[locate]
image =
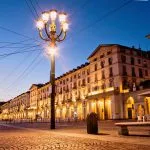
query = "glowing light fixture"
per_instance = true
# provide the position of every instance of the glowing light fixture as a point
(40, 24)
(53, 15)
(51, 50)
(62, 17)
(65, 26)
(45, 16)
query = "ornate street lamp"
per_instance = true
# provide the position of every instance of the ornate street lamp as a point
(47, 23)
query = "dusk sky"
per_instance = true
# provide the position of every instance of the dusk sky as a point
(92, 22)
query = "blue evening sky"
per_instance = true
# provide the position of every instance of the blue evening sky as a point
(127, 25)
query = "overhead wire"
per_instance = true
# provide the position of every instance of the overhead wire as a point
(34, 8)
(37, 3)
(31, 11)
(2, 56)
(22, 74)
(11, 73)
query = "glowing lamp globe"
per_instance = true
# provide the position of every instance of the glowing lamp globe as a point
(45, 16)
(62, 17)
(53, 15)
(40, 24)
(65, 26)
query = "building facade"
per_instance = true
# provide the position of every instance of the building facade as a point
(109, 84)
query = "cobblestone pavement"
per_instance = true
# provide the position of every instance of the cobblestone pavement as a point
(35, 139)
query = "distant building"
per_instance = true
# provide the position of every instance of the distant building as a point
(111, 83)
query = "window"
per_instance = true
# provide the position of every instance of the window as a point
(83, 72)
(74, 85)
(79, 75)
(70, 79)
(123, 59)
(122, 50)
(146, 72)
(83, 82)
(110, 61)
(140, 73)
(132, 61)
(96, 78)
(95, 59)
(124, 71)
(133, 72)
(89, 89)
(74, 76)
(103, 86)
(109, 52)
(103, 74)
(110, 72)
(102, 64)
(79, 83)
(139, 61)
(63, 81)
(95, 67)
(88, 80)
(145, 63)
(125, 84)
(111, 84)
(88, 71)
(102, 56)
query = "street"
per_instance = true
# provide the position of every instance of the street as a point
(14, 137)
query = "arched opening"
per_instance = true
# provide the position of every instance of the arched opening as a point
(130, 110)
(147, 105)
(140, 110)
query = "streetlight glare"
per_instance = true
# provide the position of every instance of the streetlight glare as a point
(53, 15)
(62, 17)
(65, 26)
(45, 16)
(51, 50)
(40, 24)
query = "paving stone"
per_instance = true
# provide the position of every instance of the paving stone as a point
(37, 140)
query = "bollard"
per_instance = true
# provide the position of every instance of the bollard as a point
(92, 123)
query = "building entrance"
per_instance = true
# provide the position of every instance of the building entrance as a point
(129, 113)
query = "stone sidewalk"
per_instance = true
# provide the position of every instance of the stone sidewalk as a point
(68, 137)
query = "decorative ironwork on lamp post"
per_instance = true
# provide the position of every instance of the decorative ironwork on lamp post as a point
(47, 23)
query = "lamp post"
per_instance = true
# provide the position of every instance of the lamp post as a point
(47, 23)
